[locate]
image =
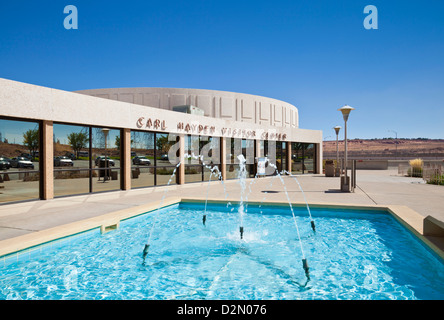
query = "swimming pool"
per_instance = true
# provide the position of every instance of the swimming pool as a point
(354, 254)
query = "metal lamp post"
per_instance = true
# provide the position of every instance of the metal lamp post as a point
(337, 128)
(396, 144)
(345, 185)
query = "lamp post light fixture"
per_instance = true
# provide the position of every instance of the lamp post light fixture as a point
(337, 170)
(345, 185)
(105, 174)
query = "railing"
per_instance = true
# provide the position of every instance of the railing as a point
(386, 155)
(433, 174)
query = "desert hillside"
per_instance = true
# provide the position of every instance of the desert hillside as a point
(387, 148)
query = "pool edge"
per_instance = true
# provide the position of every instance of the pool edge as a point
(16, 244)
(409, 218)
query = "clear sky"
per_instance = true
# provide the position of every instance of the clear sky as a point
(316, 55)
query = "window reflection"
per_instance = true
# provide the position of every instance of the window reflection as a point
(86, 159)
(143, 159)
(105, 159)
(166, 159)
(71, 159)
(303, 157)
(281, 156)
(210, 151)
(19, 160)
(236, 147)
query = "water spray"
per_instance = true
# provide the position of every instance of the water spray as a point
(204, 218)
(242, 177)
(147, 245)
(305, 199)
(304, 260)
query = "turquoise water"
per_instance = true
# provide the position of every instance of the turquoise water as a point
(352, 255)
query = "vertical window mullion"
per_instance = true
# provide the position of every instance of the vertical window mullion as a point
(90, 160)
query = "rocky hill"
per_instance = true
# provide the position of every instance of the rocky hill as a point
(387, 148)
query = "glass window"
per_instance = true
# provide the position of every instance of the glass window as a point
(19, 160)
(143, 159)
(71, 160)
(297, 157)
(303, 157)
(281, 156)
(270, 153)
(233, 149)
(105, 159)
(248, 151)
(310, 158)
(210, 150)
(200, 161)
(86, 159)
(284, 156)
(166, 159)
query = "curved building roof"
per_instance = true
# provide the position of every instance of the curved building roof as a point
(216, 104)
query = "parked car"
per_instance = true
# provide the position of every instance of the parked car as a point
(164, 157)
(63, 161)
(30, 156)
(71, 155)
(141, 160)
(26, 155)
(111, 161)
(84, 154)
(5, 163)
(21, 162)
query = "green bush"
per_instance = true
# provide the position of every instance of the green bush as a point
(165, 171)
(414, 172)
(437, 179)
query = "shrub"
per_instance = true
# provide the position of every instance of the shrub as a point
(416, 163)
(415, 169)
(436, 179)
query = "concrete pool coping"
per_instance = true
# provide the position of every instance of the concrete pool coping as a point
(409, 218)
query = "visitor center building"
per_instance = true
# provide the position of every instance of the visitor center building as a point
(57, 143)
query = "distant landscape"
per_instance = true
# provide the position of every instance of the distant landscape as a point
(387, 148)
(426, 149)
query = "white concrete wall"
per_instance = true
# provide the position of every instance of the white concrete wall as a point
(216, 104)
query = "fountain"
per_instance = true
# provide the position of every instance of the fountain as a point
(304, 259)
(242, 175)
(204, 218)
(219, 174)
(214, 168)
(242, 178)
(305, 199)
(147, 245)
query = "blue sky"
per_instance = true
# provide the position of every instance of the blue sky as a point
(316, 55)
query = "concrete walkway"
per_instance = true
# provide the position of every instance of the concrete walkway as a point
(381, 187)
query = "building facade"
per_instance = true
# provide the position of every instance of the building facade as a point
(57, 143)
